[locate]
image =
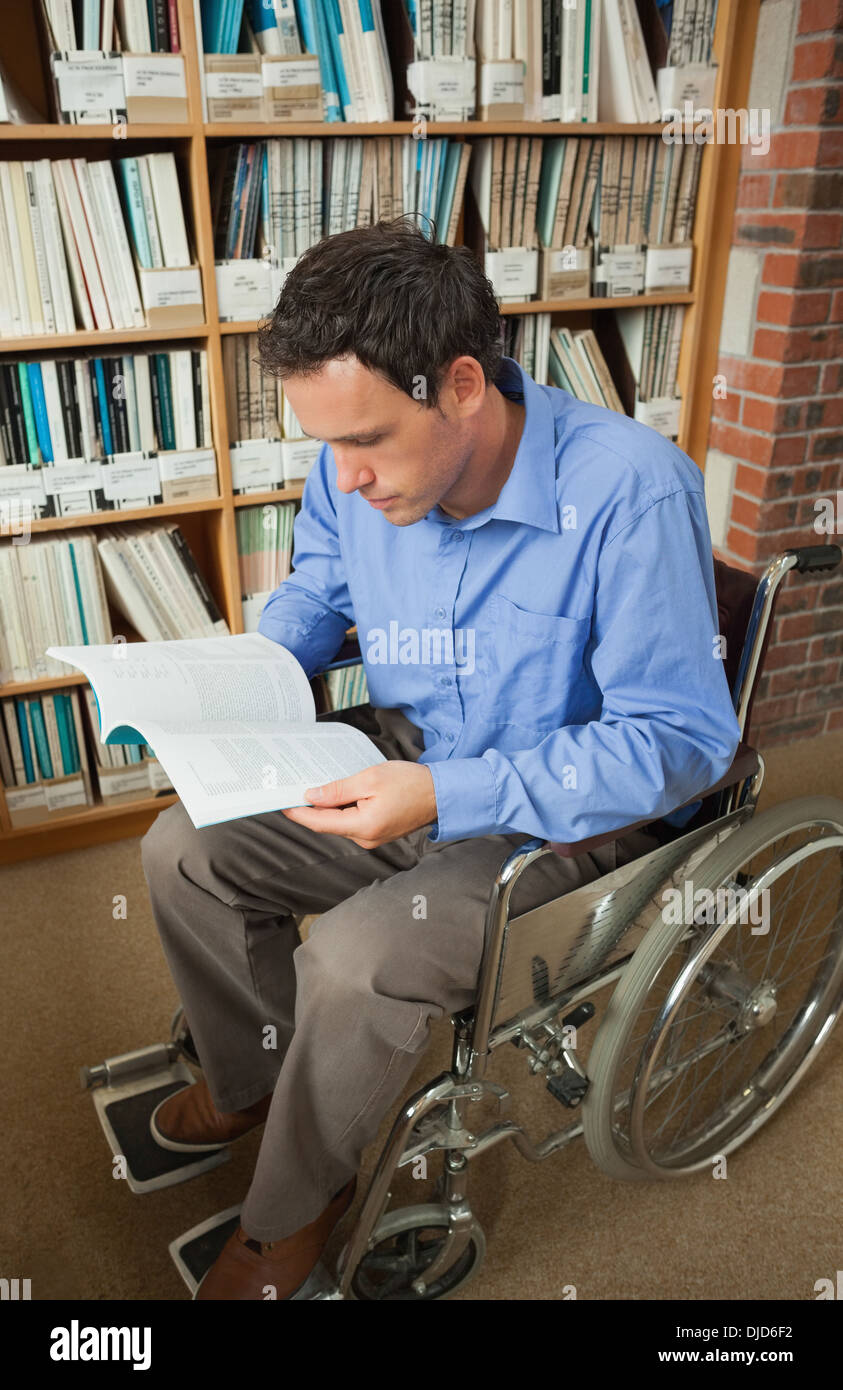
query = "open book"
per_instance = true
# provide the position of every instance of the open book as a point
(231, 720)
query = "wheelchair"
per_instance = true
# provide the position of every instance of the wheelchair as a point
(720, 955)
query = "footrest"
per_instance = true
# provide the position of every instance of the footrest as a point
(124, 1110)
(196, 1250)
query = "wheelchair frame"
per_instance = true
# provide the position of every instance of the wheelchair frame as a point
(479, 1030)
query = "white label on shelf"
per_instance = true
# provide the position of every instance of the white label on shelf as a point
(253, 606)
(661, 414)
(90, 81)
(186, 463)
(131, 476)
(74, 475)
(298, 72)
(695, 83)
(60, 794)
(18, 481)
(513, 270)
(444, 79)
(568, 258)
(154, 75)
(501, 84)
(256, 465)
(165, 286)
(299, 456)
(116, 780)
(24, 798)
(247, 289)
(668, 267)
(233, 85)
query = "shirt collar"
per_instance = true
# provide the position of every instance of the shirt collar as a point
(529, 493)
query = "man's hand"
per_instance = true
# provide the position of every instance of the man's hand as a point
(379, 804)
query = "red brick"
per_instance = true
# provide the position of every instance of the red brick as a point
(791, 149)
(766, 711)
(816, 16)
(797, 596)
(809, 106)
(806, 345)
(785, 654)
(788, 449)
(834, 720)
(788, 731)
(742, 543)
(769, 228)
(746, 511)
(829, 153)
(761, 414)
(822, 673)
(780, 269)
(831, 380)
(822, 699)
(754, 190)
(826, 647)
(827, 444)
(808, 189)
(824, 231)
(810, 307)
(813, 58)
(741, 444)
(832, 412)
(795, 625)
(762, 378)
(774, 308)
(726, 407)
(799, 381)
(836, 313)
(751, 480)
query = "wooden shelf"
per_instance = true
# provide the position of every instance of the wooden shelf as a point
(138, 130)
(99, 337)
(114, 518)
(215, 518)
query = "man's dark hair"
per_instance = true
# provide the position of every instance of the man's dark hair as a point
(404, 305)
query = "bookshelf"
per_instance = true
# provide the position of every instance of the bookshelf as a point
(209, 525)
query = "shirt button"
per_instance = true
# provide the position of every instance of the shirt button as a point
(457, 536)
(444, 680)
(449, 738)
(439, 613)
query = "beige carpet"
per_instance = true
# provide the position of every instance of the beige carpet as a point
(81, 986)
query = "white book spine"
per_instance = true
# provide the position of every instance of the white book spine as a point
(55, 415)
(80, 305)
(208, 439)
(117, 307)
(68, 185)
(10, 324)
(86, 409)
(143, 392)
(56, 262)
(183, 408)
(38, 242)
(168, 209)
(156, 254)
(113, 214)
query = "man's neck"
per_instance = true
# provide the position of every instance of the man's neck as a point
(492, 461)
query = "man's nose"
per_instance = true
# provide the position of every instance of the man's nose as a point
(352, 475)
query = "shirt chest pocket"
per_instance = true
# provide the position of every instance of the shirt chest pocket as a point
(536, 662)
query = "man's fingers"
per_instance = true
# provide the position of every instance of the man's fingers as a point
(329, 821)
(343, 792)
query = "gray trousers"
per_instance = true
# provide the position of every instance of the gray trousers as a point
(398, 942)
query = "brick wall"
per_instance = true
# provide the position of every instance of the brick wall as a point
(776, 439)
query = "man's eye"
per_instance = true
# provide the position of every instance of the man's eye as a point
(367, 443)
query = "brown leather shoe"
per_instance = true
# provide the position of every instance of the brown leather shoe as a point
(245, 1267)
(188, 1121)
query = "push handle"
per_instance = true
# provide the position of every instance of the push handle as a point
(817, 557)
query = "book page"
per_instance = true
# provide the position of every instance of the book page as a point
(193, 679)
(228, 769)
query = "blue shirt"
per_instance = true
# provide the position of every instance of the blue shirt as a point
(584, 687)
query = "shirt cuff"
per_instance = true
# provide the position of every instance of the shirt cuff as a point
(466, 800)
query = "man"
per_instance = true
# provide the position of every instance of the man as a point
(532, 584)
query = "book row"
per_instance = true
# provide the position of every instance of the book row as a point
(56, 590)
(279, 196)
(70, 249)
(52, 762)
(91, 407)
(347, 686)
(138, 26)
(634, 190)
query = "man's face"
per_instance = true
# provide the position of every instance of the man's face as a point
(395, 451)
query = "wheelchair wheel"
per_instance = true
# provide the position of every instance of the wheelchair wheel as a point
(719, 1014)
(406, 1243)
